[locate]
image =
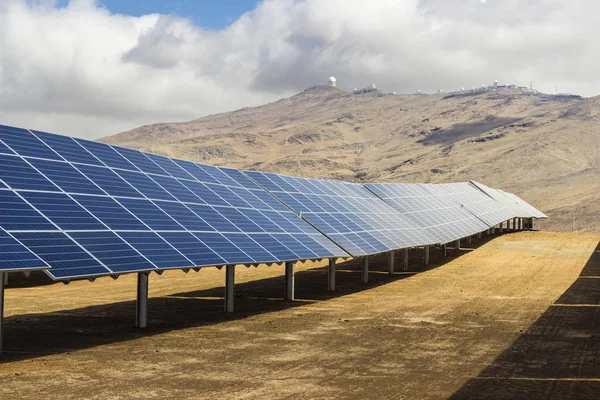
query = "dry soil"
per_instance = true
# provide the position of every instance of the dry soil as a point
(513, 316)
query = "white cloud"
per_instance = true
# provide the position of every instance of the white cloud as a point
(83, 71)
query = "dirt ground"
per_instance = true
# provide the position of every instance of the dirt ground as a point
(513, 316)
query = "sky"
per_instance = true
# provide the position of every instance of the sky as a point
(94, 68)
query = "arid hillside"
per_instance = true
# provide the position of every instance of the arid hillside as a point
(544, 148)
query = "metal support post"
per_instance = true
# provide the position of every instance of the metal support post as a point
(520, 224)
(391, 262)
(470, 239)
(331, 275)
(444, 250)
(289, 280)
(405, 259)
(457, 244)
(141, 312)
(365, 270)
(426, 255)
(479, 235)
(501, 225)
(229, 288)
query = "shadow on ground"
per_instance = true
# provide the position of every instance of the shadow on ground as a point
(558, 357)
(36, 335)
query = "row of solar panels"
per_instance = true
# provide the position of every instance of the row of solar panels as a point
(80, 209)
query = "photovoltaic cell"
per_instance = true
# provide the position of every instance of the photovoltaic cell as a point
(108, 181)
(192, 248)
(111, 213)
(112, 251)
(17, 215)
(107, 155)
(66, 258)
(68, 148)
(66, 177)
(25, 144)
(155, 249)
(141, 161)
(17, 174)
(16, 257)
(63, 211)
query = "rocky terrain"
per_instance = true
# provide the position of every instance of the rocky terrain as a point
(544, 148)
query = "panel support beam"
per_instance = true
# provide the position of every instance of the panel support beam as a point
(290, 281)
(229, 288)
(3, 275)
(331, 275)
(364, 271)
(141, 311)
(426, 255)
(405, 259)
(391, 262)
(444, 250)
(457, 244)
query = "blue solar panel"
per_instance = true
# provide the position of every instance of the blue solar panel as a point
(155, 249)
(141, 161)
(275, 247)
(16, 257)
(240, 220)
(108, 181)
(112, 251)
(212, 217)
(150, 214)
(170, 166)
(17, 174)
(17, 215)
(111, 213)
(107, 155)
(68, 148)
(186, 217)
(196, 171)
(192, 248)
(250, 247)
(300, 249)
(145, 185)
(25, 144)
(223, 247)
(200, 190)
(66, 177)
(66, 258)
(63, 211)
(177, 189)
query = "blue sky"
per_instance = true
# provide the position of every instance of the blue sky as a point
(209, 14)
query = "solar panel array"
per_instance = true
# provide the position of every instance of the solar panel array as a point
(431, 207)
(89, 209)
(347, 213)
(80, 209)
